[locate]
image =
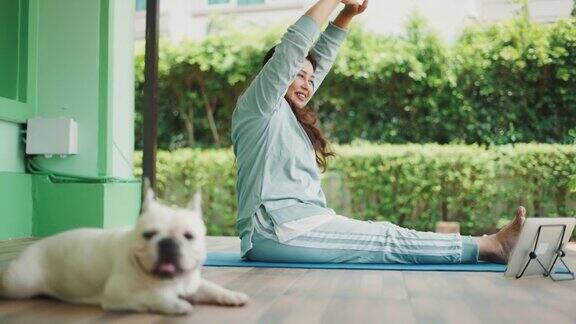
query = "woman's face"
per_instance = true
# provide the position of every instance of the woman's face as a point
(301, 89)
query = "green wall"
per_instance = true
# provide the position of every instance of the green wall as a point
(86, 71)
(71, 58)
(11, 147)
(121, 90)
(71, 66)
(15, 186)
(104, 205)
(15, 205)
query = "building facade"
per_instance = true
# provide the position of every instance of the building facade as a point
(191, 19)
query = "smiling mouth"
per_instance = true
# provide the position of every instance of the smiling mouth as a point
(301, 96)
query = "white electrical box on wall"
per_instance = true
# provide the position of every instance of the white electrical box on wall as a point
(52, 136)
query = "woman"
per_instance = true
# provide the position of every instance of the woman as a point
(282, 214)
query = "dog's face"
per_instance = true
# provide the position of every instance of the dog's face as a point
(169, 242)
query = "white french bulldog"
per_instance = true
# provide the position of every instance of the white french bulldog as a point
(154, 267)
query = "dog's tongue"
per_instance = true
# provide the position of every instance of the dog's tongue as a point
(167, 267)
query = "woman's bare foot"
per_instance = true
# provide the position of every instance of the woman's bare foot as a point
(497, 247)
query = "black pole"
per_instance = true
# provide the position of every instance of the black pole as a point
(150, 93)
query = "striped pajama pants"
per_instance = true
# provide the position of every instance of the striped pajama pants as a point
(346, 240)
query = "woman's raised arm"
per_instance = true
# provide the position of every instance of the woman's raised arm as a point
(264, 94)
(326, 48)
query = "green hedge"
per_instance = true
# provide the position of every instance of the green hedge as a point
(506, 83)
(179, 173)
(410, 185)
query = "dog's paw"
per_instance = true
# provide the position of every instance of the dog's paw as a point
(233, 298)
(179, 307)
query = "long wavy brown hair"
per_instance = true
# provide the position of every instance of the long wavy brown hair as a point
(309, 121)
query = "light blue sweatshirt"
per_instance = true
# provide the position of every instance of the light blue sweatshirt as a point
(275, 158)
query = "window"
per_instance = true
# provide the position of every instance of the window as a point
(217, 2)
(249, 2)
(140, 5)
(236, 2)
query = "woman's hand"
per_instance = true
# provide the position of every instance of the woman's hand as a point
(354, 8)
(351, 9)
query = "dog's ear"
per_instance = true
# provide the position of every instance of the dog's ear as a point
(196, 203)
(148, 195)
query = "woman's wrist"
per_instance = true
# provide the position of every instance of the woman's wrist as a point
(350, 10)
(343, 20)
(321, 10)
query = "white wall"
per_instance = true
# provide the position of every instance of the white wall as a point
(540, 10)
(189, 19)
(447, 17)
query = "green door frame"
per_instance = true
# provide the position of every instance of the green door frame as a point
(25, 105)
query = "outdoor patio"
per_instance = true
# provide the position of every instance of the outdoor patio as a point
(338, 296)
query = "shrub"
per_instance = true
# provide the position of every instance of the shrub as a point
(410, 185)
(505, 83)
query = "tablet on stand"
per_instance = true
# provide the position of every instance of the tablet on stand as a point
(540, 249)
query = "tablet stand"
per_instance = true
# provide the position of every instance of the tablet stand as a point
(560, 254)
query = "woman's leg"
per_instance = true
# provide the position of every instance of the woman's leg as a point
(353, 241)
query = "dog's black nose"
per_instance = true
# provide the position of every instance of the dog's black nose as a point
(168, 249)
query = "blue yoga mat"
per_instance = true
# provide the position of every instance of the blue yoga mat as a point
(232, 259)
